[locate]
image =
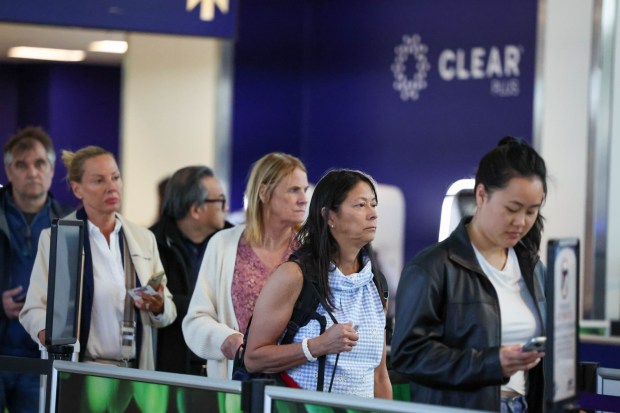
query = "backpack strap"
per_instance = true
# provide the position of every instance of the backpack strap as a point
(320, 382)
(305, 309)
(381, 283)
(239, 360)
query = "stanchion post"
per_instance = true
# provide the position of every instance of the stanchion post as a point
(253, 395)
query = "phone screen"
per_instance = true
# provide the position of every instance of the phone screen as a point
(20, 298)
(535, 344)
(155, 280)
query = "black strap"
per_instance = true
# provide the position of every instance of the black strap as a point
(380, 281)
(239, 360)
(305, 309)
(323, 358)
(320, 380)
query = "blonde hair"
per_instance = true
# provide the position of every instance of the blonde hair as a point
(74, 161)
(269, 171)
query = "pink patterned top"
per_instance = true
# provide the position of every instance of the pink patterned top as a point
(249, 278)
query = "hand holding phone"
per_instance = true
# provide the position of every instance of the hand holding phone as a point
(155, 280)
(13, 301)
(21, 297)
(150, 288)
(535, 344)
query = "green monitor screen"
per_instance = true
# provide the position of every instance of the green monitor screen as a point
(90, 388)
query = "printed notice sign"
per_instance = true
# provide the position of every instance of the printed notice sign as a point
(563, 299)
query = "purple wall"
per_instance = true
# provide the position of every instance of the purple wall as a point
(268, 75)
(77, 105)
(315, 79)
(8, 105)
(318, 83)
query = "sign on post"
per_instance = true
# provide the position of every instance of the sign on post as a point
(562, 292)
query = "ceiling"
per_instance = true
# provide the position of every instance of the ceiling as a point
(57, 37)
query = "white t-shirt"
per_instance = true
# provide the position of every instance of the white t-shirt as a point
(517, 309)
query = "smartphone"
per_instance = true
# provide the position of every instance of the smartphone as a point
(21, 297)
(150, 288)
(155, 280)
(535, 344)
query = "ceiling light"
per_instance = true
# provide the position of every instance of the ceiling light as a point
(42, 53)
(108, 46)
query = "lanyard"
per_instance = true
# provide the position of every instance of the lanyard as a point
(128, 325)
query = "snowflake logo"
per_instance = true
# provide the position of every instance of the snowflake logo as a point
(410, 49)
(207, 8)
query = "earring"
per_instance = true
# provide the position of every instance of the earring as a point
(332, 226)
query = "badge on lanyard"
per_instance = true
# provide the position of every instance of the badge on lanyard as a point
(128, 339)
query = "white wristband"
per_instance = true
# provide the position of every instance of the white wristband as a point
(304, 347)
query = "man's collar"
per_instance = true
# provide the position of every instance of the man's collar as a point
(11, 202)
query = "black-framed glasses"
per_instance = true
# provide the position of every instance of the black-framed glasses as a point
(222, 200)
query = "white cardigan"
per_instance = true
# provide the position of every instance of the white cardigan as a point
(211, 317)
(145, 258)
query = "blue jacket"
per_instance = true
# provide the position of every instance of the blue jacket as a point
(14, 340)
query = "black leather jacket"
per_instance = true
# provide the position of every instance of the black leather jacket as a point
(447, 334)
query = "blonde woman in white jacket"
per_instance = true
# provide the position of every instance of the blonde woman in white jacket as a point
(239, 260)
(95, 180)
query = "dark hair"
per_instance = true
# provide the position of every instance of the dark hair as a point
(514, 157)
(318, 247)
(184, 189)
(24, 140)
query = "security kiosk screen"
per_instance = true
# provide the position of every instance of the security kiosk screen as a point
(63, 294)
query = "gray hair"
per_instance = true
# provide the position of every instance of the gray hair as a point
(185, 189)
(24, 140)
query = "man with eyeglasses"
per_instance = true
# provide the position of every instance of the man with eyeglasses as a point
(26, 208)
(194, 209)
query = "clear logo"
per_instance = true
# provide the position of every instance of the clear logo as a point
(500, 65)
(410, 56)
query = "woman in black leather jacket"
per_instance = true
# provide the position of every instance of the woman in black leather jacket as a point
(466, 305)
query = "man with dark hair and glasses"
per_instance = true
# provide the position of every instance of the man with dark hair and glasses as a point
(26, 208)
(194, 208)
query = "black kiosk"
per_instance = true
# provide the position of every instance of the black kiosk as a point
(64, 292)
(64, 289)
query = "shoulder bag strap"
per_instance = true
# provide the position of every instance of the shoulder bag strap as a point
(323, 358)
(128, 327)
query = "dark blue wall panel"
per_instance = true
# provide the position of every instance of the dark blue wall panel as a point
(351, 115)
(33, 95)
(77, 105)
(8, 105)
(267, 86)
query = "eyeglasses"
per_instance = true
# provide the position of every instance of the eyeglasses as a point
(222, 200)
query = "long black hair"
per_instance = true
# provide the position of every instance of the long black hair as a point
(318, 248)
(513, 157)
